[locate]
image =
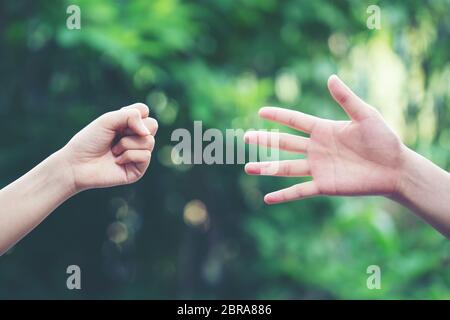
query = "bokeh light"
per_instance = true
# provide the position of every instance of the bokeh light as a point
(195, 213)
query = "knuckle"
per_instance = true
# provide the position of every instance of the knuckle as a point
(298, 191)
(149, 141)
(127, 156)
(343, 98)
(142, 105)
(155, 123)
(282, 143)
(134, 113)
(292, 122)
(123, 143)
(106, 116)
(148, 155)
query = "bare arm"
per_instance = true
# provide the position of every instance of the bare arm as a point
(115, 149)
(362, 156)
(425, 189)
(27, 201)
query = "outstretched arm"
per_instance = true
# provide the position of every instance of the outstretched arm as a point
(362, 156)
(425, 189)
(114, 149)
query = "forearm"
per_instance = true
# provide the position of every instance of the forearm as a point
(30, 199)
(425, 189)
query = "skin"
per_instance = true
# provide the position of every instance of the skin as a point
(115, 149)
(362, 156)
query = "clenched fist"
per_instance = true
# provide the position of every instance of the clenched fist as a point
(114, 149)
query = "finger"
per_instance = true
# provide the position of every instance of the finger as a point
(296, 192)
(134, 143)
(141, 158)
(282, 141)
(355, 107)
(285, 168)
(123, 119)
(294, 119)
(142, 108)
(150, 123)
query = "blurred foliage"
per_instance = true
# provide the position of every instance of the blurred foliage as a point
(202, 231)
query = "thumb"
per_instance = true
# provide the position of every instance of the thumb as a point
(127, 118)
(354, 106)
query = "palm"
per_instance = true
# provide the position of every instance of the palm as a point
(348, 158)
(354, 157)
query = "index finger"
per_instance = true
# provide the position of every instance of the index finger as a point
(143, 109)
(295, 192)
(150, 123)
(294, 119)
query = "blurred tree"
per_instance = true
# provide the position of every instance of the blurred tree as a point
(219, 61)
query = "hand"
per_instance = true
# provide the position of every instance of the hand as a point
(114, 149)
(362, 156)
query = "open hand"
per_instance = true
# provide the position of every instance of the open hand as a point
(357, 157)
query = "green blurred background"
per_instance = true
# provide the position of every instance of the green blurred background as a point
(203, 231)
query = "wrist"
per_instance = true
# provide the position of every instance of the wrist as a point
(62, 173)
(407, 175)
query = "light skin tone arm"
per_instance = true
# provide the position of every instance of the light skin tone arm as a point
(115, 149)
(361, 156)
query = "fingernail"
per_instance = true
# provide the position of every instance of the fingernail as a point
(155, 127)
(263, 111)
(252, 169)
(144, 128)
(269, 198)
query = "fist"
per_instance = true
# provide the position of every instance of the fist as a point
(114, 149)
